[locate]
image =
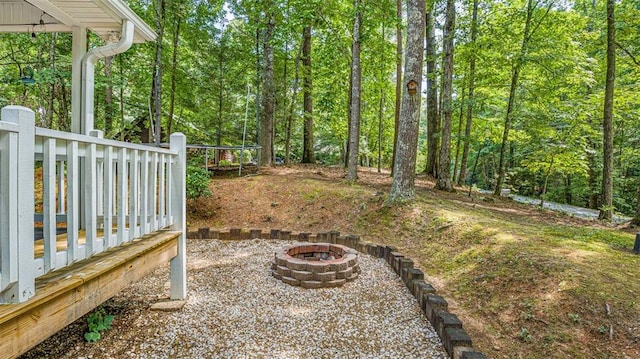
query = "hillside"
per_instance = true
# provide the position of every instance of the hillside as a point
(528, 283)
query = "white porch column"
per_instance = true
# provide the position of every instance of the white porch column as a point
(78, 49)
(178, 143)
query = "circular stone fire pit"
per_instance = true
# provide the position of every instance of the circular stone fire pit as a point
(316, 265)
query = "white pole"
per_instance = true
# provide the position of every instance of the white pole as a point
(244, 131)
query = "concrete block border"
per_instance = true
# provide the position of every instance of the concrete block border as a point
(457, 342)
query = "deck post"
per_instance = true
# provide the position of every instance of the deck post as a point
(178, 143)
(20, 200)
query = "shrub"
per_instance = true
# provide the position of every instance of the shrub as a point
(224, 163)
(197, 183)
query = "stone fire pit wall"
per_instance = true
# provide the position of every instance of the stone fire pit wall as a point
(319, 265)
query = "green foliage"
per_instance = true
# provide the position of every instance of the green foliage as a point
(224, 163)
(524, 335)
(97, 321)
(197, 183)
(556, 126)
(575, 318)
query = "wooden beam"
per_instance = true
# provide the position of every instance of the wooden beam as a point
(66, 295)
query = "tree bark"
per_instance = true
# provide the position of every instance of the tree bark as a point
(356, 78)
(268, 95)
(403, 185)
(459, 137)
(606, 211)
(108, 97)
(470, 99)
(157, 73)
(433, 119)
(52, 87)
(308, 156)
(174, 68)
(292, 105)
(444, 166)
(398, 78)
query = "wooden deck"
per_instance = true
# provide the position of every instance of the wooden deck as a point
(65, 295)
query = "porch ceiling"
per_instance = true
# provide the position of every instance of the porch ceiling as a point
(103, 17)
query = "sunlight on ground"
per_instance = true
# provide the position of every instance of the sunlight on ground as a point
(502, 237)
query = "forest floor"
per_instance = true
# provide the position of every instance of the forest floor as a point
(526, 282)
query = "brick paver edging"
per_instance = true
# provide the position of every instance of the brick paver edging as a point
(434, 307)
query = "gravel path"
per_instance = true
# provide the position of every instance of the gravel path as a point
(236, 309)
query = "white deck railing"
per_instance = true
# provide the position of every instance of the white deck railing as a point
(104, 192)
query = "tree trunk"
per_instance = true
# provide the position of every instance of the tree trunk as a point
(636, 218)
(546, 181)
(456, 175)
(433, 120)
(220, 97)
(515, 74)
(403, 186)
(396, 122)
(268, 95)
(354, 120)
(174, 68)
(349, 95)
(258, 81)
(292, 105)
(470, 99)
(157, 73)
(444, 166)
(606, 211)
(52, 88)
(308, 156)
(568, 195)
(108, 97)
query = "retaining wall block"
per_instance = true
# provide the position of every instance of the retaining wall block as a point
(381, 251)
(456, 341)
(235, 233)
(255, 233)
(303, 237)
(404, 263)
(445, 320)
(285, 235)
(372, 249)
(274, 234)
(394, 258)
(203, 233)
(420, 289)
(215, 234)
(387, 253)
(352, 241)
(432, 302)
(192, 235)
(333, 237)
(224, 236)
(322, 237)
(413, 274)
(472, 355)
